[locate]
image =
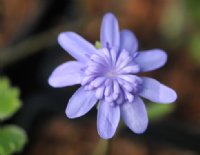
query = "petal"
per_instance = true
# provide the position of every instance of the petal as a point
(135, 115)
(110, 32)
(67, 74)
(80, 103)
(76, 46)
(107, 119)
(128, 41)
(157, 92)
(151, 59)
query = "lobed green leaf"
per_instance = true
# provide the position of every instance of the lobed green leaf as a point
(12, 139)
(9, 99)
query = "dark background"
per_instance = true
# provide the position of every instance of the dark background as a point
(29, 52)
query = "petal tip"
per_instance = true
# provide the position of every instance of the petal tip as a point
(52, 82)
(128, 41)
(168, 95)
(157, 92)
(173, 96)
(62, 37)
(109, 33)
(109, 15)
(69, 114)
(107, 120)
(135, 115)
(151, 59)
(141, 130)
(161, 54)
(80, 103)
(104, 135)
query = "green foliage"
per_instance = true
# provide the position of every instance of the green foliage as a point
(193, 7)
(9, 99)
(12, 139)
(172, 23)
(97, 44)
(158, 111)
(195, 47)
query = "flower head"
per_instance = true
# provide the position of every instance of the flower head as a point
(109, 75)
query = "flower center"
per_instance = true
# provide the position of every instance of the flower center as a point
(111, 76)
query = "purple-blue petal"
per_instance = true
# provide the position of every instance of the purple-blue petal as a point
(67, 74)
(80, 103)
(135, 115)
(110, 36)
(107, 119)
(76, 46)
(154, 91)
(128, 41)
(151, 59)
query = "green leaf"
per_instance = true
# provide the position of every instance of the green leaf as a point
(12, 139)
(97, 44)
(158, 111)
(9, 99)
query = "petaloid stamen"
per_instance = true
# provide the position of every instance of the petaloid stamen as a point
(110, 76)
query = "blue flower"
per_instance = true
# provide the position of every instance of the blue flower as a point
(108, 76)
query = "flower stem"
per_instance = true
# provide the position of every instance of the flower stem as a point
(109, 147)
(101, 147)
(104, 147)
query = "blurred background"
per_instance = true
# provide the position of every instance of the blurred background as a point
(29, 52)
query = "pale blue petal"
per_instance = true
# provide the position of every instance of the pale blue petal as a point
(107, 119)
(67, 74)
(151, 59)
(80, 103)
(135, 115)
(128, 41)
(110, 36)
(154, 91)
(76, 46)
